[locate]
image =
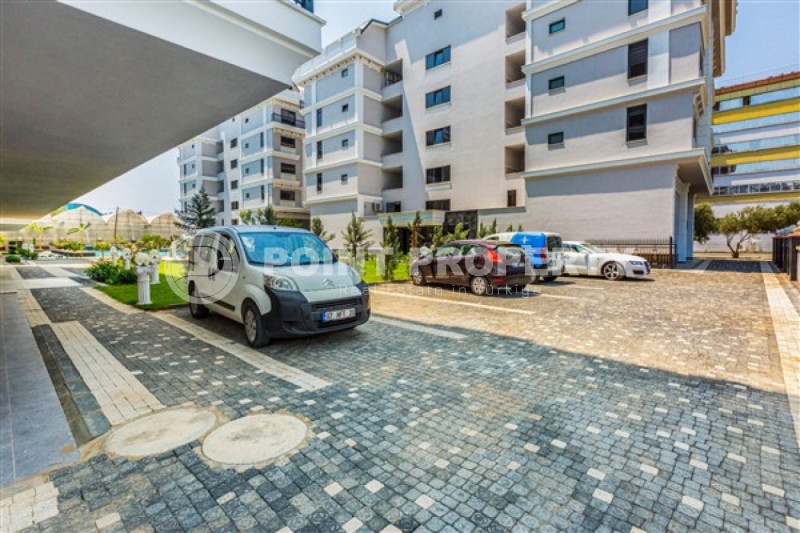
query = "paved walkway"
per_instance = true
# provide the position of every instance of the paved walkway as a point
(642, 406)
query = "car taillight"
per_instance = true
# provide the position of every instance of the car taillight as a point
(544, 254)
(492, 256)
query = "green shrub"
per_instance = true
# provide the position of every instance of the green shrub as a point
(73, 246)
(110, 273)
(27, 254)
(12, 259)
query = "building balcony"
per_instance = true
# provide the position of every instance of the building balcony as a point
(515, 135)
(393, 160)
(515, 43)
(288, 149)
(392, 91)
(515, 89)
(393, 125)
(296, 122)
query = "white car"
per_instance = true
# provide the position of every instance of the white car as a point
(584, 259)
(278, 282)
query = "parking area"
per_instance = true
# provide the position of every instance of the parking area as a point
(579, 405)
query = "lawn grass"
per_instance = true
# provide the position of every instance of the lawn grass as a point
(370, 274)
(162, 296)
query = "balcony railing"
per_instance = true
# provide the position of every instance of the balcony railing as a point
(289, 121)
(390, 78)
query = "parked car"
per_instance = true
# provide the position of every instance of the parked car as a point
(584, 259)
(481, 265)
(542, 248)
(278, 282)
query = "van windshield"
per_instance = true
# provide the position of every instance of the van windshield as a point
(276, 248)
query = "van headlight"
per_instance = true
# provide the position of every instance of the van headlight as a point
(280, 283)
(354, 277)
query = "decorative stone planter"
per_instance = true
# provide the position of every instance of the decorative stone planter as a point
(143, 284)
(155, 258)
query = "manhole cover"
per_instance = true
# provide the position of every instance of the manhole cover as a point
(254, 439)
(160, 432)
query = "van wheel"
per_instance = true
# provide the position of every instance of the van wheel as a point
(550, 278)
(479, 285)
(418, 278)
(197, 310)
(613, 271)
(254, 329)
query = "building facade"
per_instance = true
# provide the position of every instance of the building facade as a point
(554, 115)
(756, 157)
(249, 161)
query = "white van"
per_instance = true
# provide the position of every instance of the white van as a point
(278, 282)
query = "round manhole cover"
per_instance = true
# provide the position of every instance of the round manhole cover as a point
(160, 432)
(254, 439)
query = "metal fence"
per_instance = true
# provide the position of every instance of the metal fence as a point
(660, 252)
(785, 252)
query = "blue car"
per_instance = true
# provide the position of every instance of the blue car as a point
(544, 250)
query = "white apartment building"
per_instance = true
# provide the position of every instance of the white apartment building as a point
(588, 118)
(249, 161)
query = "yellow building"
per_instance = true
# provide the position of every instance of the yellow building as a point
(756, 157)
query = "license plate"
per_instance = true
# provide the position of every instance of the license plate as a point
(339, 314)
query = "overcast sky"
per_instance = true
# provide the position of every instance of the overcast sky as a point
(766, 42)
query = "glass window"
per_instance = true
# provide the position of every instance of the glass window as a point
(285, 248)
(319, 182)
(345, 108)
(437, 14)
(437, 205)
(439, 57)
(287, 195)
(319, 117)
(319, 149)
(344, 179)
(760, 122)
(637, 123)
(557, 26)
(234, 163)
(448, 250)
(437, 97)
(758, 144)
(775, 96)
(555, 138)
(637, 59)
(437, 136)
(345, 143)
(437, 175)
(555, 83)
(760, 166)
(636, 6)
(288, 141)
(733, 103)
(234, 142)
(511, 198)
(345, 72)
(234, 185)
(288, 168)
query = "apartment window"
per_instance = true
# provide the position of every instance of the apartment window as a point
(319, 149)
(234, 205)
(637, 123)
(393, 207)
(234, 221)
(345, 144)
(557, 26)
(247, 196)
(234, 142)
(234, 163)
(234, 185)
(511, 198)
(636, 6)
(288, 168)
(288, 141)
(437, 175)
(437, 205)
(555, 139)
(345, 108)
(287, 195)
(344, 179)
(555, 83)
(262, 192)
(345, 72)
(439, 57)
(437, 136)
(637, 59)
(437, 14)
(319, 117)
(319, 182)
(247, 120)
(437, 97)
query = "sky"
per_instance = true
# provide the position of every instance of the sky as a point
(766, 42)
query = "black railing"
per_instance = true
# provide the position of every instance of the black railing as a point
(288, 120)
(305, 4)
(659, 252)
(390, 78)
(785, 250)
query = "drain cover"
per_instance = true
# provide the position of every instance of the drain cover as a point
(254, 439)
(160, 432)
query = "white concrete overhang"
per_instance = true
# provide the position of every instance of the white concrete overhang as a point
(90, 90)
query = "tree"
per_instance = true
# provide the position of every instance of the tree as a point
(391, 249)
(483, 231)
(290, 223)
(355, 237)
(493, 227)
(415, 226)
(460, 232)
(520, 228)
(39, 230)
(705, 223)
(318, 229)
(438, 237)
(739, 226)
(510, 228)
(265, 217)
(198, 214)
(787, 215)
(80, 229)
(103, 246)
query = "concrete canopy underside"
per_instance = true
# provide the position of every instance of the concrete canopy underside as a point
(85, 99)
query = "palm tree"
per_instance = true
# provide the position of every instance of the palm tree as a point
(80, 229)
(391, 246)
(356, 237)
(416, 227)
(265, 217)
(39, 230)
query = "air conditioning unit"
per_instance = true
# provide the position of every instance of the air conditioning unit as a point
(377, 207)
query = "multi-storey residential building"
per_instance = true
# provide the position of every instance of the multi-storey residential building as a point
(756, 157)
(250, 161)
(561, 115)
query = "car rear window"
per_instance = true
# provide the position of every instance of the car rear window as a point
(510, 253)
(553, 242)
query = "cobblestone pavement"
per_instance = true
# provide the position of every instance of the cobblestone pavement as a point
(587, 405)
